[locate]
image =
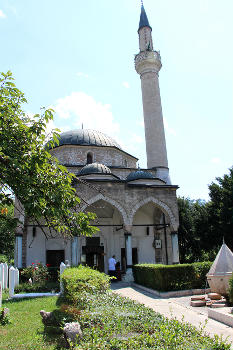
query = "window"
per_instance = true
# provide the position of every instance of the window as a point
(89, 158)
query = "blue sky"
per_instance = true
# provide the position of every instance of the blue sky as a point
(77, 56)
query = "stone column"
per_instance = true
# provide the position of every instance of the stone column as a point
(128, 250)
(175, 247)
(74, 252)
(18, 251)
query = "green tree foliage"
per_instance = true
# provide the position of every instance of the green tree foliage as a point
(27, 169)
(7, 227)
(203, 225)
(221, 209)
(194, 232)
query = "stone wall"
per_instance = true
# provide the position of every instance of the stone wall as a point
(109, 156)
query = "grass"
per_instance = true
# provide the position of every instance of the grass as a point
(26, 331)
(110, 322)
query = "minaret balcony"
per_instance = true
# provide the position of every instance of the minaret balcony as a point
(145, 55)
(147, 61)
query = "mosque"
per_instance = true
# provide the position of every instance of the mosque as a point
(136, 208)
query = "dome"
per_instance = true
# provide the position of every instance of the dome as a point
(139, 174)
(95, 168)
(86, 137)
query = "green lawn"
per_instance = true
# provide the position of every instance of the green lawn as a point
(110, 322)
(26, 331)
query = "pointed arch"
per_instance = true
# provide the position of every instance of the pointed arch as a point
(164, 207)
(110, 201)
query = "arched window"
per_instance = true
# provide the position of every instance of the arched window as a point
(89, 158)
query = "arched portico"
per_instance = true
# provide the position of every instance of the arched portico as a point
(163, 206)
(154, 226)
(110, 239)
(110, 201)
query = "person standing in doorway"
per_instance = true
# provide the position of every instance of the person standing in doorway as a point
(112, 267)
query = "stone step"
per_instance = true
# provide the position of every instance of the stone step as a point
(214, 296)
(198, 297)
(218, 305)
(196, 303)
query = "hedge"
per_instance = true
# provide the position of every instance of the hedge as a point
(172, 277)
(78, 282)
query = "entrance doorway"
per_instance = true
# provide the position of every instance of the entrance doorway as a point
(55, 257)
(94, 253)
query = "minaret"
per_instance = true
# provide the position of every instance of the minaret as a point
(148, 65)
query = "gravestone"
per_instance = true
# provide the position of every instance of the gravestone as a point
(0, 294)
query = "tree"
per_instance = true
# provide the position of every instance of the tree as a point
(27, 169)
(221, 209)
(7, 235)
(194, 234)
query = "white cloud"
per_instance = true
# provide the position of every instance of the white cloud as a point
(126, 84)
(2, 14)
(81, 108)
(167, 128)
(215, 160)
(81, 74)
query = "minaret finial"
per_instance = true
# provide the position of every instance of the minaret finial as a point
(142, 2)
(223, 240)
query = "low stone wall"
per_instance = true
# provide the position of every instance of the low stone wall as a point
(172, 294)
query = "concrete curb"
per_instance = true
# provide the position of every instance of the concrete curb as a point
(178, 293)
(221, 315)
(34, 295)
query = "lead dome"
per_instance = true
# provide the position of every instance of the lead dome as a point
(139, 174)
(86, 137)
(95, 168)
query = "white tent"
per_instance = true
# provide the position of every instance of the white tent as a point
(223, 262)
(221, 271)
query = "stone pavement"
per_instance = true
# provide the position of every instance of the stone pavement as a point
(175, 307)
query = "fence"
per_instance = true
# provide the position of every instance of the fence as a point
(9, 278)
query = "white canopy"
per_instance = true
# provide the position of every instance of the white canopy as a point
(223, 262)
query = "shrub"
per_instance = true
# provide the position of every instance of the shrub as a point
(82, 282)
(39, 287)
(37, 272)
(3, 258)
(230, 290)
(172, 277)
(4, 317)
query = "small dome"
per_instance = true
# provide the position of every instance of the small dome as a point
(94, 168)
(86, 137)
(139, 174)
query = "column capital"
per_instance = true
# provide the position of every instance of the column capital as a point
(128, 229)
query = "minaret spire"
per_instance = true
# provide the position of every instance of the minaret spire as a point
(148, 65)
(143, 18)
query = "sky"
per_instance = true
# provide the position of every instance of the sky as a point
(78, 58)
